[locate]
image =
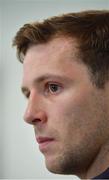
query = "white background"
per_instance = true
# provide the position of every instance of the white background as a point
(19, 154)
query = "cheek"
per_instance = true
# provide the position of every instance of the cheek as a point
(84, 116)
(66, 111)
(71, 110)
(78, 114)
(72, 104)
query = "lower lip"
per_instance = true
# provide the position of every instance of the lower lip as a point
(45, 145)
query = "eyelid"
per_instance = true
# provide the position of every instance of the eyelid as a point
(53, 83)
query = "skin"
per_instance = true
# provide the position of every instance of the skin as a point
(74, 112)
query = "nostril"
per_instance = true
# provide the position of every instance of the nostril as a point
(35, 121)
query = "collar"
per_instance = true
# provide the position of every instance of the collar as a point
(104, 175)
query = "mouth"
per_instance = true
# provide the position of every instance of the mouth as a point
(44, 143)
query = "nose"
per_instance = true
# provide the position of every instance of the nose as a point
(35, 112)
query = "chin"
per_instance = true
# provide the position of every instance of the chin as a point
(57, 167)
(55, 170)
(65, 166)
(53, 166)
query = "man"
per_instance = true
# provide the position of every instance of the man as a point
(66, 81)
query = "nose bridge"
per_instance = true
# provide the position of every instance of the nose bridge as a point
(34, 107)
(33, 99)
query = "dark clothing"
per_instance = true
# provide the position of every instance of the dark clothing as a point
(104, 175)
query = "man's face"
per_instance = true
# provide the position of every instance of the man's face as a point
(66, 110)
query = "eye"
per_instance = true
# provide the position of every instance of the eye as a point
(26, 94)
(53, 88)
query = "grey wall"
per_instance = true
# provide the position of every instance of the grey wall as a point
(19, 154)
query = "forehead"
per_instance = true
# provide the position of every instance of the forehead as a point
(56, 57)
(63, 47)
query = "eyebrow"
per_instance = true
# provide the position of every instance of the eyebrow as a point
(44, 77)
(50, 76)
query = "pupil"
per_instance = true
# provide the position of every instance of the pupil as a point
(54, 87)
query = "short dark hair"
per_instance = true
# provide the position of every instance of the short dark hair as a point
(90, 28)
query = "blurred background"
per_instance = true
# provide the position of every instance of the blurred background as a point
(19, 154)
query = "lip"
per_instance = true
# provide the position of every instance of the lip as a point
(44, 142)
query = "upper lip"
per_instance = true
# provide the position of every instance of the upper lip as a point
(43, 139)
